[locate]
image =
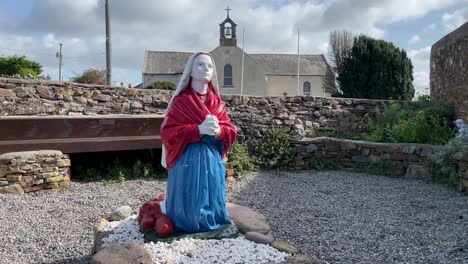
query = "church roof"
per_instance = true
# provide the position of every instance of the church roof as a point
(286, 64)
(168, 62)
(165, 62)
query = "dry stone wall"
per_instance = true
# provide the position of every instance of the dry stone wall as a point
(449, 70)
(402, 159)
(252, 115)
(32, 171)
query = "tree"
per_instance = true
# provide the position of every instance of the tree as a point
(19, 65)
(91, 76)
(162, 85)
(339, 49)
(376, 69)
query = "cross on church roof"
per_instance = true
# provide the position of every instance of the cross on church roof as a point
(228, 9)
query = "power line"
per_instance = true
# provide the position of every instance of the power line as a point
(50, 54)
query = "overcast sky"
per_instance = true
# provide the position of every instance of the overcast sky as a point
(34, 27)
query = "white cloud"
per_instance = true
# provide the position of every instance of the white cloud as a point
(420, 59)
(457, 18)
(432, 26)
(184, 25)
(414, 39)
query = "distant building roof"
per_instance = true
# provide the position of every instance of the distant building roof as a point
(286, 64)
(164, 62)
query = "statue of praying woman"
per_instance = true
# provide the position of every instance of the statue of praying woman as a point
(196, 134)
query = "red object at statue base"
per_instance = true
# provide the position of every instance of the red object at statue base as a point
(151, 216)
(163, 226)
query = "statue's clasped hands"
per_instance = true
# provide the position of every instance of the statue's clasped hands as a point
(210, 126)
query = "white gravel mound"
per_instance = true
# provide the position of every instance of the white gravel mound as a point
(238, 250)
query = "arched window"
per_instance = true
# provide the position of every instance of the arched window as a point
(227, 30)
(227, 75)
(306, 89)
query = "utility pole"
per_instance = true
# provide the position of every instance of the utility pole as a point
(59, 56)
(298, 63)
(108, 45)
(243, 54)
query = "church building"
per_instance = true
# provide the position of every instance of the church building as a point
(263, 74)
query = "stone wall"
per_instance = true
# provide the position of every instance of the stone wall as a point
(38, 97)
(252, 115)
(449, 70)
(400, 158)
(32, 171)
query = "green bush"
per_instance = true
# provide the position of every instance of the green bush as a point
(424, 121)
(321, 162)
(349, 126)
(443, 164)
(376, 69)
(274, 149)
(162, 85)
(320, 133)
(19, 65)
(239, 157)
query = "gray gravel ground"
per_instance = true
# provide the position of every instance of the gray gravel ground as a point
(335, 217)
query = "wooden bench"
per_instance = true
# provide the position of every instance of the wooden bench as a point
(73, 134)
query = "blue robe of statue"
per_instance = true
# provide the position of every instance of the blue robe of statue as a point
(196, 188)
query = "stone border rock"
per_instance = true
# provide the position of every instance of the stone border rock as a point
(34, 171)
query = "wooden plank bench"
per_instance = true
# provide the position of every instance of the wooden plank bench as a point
(73, 134)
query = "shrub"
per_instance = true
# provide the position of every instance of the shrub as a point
(321, 162)
(376, 69)
(239, 157)
(162, 85)
(274, 149)
(424, 121)
(349, 126)
(91, 76)
(443, 164)
(19, 65)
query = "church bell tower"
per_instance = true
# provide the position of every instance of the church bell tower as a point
(227, 31)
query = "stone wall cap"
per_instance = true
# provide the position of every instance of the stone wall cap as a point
(360, 142)
(102, 116)
(30, 154)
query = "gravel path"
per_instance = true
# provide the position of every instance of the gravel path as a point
(335, 217)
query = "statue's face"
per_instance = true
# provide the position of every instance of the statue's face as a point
(202, 69)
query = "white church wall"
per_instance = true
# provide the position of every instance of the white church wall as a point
(277, 85)
(149, 79)
(254, 75)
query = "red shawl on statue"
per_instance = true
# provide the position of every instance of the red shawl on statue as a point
(180, 127)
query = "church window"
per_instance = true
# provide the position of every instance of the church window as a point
(227, 75)
(227, 30)
(306, 89)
